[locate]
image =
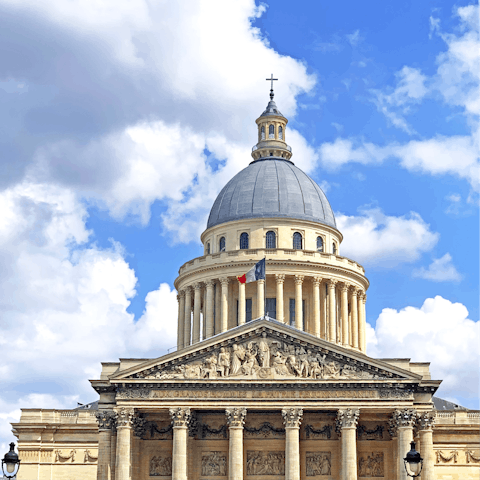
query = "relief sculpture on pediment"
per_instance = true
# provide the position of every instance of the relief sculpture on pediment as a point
(260, 358)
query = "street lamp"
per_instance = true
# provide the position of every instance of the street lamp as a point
(10, 463)
(413, 462)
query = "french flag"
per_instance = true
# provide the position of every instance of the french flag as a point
(257, 272)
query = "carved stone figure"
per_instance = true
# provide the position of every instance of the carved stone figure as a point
(265, 463)
(318, 463)
(371, 465)
(264, 352)
(224, 362)
(214, 464)
(209, 369)
(160, 466)
(238, 356)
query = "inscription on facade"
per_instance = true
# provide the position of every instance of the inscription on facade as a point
(318, 463)
(371, 465)
(214, 464)
(265, 463)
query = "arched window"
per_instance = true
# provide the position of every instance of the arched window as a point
(262, 134)
(334, 248)
(271, 240)
(221, 244)
(297, 241)
(208, 248)
(280, 133)
(271, 131)
(319, 244)
(244, 241)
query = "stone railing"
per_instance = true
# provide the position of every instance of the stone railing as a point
(458, 417)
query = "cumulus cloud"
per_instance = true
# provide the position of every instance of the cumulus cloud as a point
(439, 332)
(379, 240)
(440, 270)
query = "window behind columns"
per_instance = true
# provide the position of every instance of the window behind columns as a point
(272, 307)
(248, 310)
(292, 313)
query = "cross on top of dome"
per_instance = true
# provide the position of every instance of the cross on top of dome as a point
(271, 79)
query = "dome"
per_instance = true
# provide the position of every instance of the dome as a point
(271, 187)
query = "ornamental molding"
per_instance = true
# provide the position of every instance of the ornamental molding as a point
(426, 421)
(292, 417)
(180, 416)
(236, 416)
(106, 419)
(124, 417)
(404, 418)
(346, 418)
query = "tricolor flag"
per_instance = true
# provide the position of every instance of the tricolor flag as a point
(255, 273)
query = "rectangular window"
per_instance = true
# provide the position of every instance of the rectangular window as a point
(271, 307)
(292, 313)
(248, 310)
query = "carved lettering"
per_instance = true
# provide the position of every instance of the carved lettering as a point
(318, 463)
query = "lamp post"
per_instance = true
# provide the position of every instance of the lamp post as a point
(413, 462)
(10, 463)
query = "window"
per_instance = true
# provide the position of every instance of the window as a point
(221, 244)
(208, 248)
(334, 248)
(248, 310)
(244, 241)
(320, 244)
(297, 241)
(292, 313)
(262, 133)
(271, 307)
(280, 133)
(271, 131)
(271, 240)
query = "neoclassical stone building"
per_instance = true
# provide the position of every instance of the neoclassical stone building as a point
(270, 379)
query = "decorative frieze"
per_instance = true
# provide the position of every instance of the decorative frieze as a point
(90, 456)
(370, 434)
(180, 416)
(446, 458)
(62, 456)
(324, 432)
(214, 464)
(236, 416)
(371, 465)
(266, 429)
(260, 462)
(318, 463)
(139, 424)
(160, 466)
(472, 457)
(346, 418)
(292, 417)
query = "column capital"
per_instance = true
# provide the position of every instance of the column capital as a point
(364, 297)
(106, 419)
(426, 420)
(404, 418)
(236, 416)
(354, 290)
(280, 277)
(332, 282)
(346, 418)
(139, 424)
(292, 417)
(210, 283)
(198, 286)
(181, 293)
(317, 280)
(180, 416)
(224, 281)
(344, 287)
(188, 289)
(299, 279)
(124, 417)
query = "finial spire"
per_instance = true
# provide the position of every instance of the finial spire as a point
(271, 79)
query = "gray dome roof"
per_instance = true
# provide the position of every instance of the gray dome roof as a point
(271, 187)
(271, 110)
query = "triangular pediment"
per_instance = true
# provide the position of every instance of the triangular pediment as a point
(264, 350)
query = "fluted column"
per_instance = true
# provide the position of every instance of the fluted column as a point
(280, 278)
(323, 312)
(292, 418)
(403, 421)
(209, 310)
(316, 305)
(224, 317)
(197, 302)
(425, 422)
(188, 316)
(298, 302)
(260, 298)
(361, 321)
(124, 417)
(346, 426)
(354, 318)
(106, 421)
(181, 320)
(241, 303)
(235, 420)
(344, 314)
(180, 419)
(332, 321)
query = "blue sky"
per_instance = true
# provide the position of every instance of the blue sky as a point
(121, 121)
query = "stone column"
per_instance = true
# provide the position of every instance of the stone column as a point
(425, 422)
(241, 303)
(224, 316)
(181, 320)
(106, 421)
(218, 308)
(292, 418)
(280, 278)
(260, 298)
(298, 302)
(180, 419)
(123, 466)
(363, 340)
(209, 309)
(139, 427)
(113, 443)
(361, 321)
(403, 421)
(354, 318)
(197, 303)
(323, 312)
(332, 321)
(204, 315)
(188, 315)
(235, 420)
(316, 306)
(344, 314)
(346, 427)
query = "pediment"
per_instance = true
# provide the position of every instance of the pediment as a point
(264, 350)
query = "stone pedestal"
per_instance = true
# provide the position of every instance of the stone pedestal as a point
(124, 417)
(235, 420)
(292, 418)
(180, 419)
(346, 426)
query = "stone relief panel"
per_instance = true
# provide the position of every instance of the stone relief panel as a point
(160, 465)
(472, 457)
(265, 463)
(371, 465)
(62, 456)
(214, 464)
(318, 463)
(261, 358)
(446, 457)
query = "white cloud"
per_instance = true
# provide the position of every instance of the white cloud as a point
(354, 38)
(439, 332)
(379, 240)
(440, 270)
